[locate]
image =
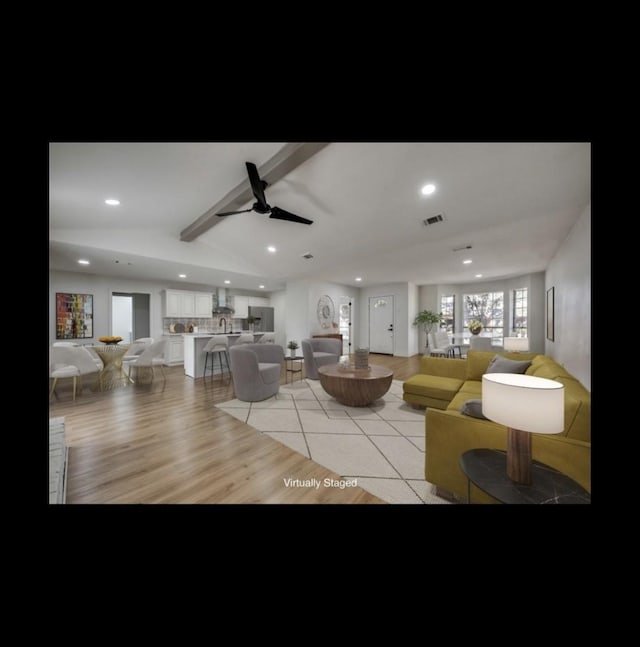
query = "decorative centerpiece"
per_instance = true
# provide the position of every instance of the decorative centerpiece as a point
(251, 321)
(109, 339)
(343, 363)
(362, 358)
(475, 327)
(293, 346)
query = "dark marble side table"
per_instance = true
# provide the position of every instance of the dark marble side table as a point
(487, 469)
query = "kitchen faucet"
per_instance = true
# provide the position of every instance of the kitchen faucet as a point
(222, 319)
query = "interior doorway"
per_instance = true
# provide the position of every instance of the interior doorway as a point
(345, 322)
(130, 315)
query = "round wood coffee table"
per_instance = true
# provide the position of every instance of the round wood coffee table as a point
(355, 388)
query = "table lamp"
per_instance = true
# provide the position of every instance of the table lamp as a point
(524, 404)
(516, 344)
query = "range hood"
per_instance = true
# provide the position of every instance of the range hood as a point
(220, 300)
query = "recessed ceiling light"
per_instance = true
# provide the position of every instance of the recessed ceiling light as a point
(428, 189)
(467, 261)
(478, 276)
(112, 202)
(182, 276)
(83, 262)
(261, 287)
(271, 249)
(227, 282)
(358, 278)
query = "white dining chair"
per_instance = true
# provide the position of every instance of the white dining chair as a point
(151, 356)
(245, 338)
(70, 362)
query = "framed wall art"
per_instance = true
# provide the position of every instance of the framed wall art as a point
(550, 313)
(74, 315)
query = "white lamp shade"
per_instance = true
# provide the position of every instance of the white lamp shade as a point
(516, 344)
(524, 402)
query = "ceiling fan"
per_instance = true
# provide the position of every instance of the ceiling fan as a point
(258, 186)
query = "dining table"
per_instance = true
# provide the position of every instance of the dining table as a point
(112, 374)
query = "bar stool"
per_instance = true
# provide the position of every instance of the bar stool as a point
(217, 345)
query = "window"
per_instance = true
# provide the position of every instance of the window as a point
(519, 318)
(488, 309)
(448, 311)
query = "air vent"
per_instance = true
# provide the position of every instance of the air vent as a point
(307, 255)
(432, 221)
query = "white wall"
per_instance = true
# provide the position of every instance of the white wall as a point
(400, 293)
(278, 301)
(413, 294)
(300, 304)
(101, 287)
(569, 272)
(296, 308)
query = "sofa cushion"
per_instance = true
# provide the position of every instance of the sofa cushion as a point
(477, 362)
(473, 408)
(544, 366)
(320, 355)
(472, 389)
(440, 388)
(269, 373)
(504, 365)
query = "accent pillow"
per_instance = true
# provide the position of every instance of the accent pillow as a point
(504, 365)
(473, 408)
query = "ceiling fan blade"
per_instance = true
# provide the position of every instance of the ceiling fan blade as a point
(281, 214)
(231, 213)
(256, 185)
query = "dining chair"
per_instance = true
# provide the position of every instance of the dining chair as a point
(70, 362)
(151, 356)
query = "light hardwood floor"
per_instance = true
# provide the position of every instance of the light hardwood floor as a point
(168, 443)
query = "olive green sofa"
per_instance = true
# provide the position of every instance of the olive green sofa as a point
(444, 385)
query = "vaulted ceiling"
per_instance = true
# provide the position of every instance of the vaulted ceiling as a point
(513, 203)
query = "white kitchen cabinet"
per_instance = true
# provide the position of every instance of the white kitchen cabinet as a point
(182, 303)
(203, 304)
(260, 302)
(188, 304)
(241, 307)
(172, 303)
(174, 353)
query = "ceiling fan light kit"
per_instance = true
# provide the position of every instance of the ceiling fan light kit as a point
(260, 206)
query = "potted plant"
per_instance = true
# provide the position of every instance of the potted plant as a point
(475, 327)
(251, 320)
(427, 320)
(293, 346)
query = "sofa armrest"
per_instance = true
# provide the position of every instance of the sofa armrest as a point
(444, 367)
(449, 434)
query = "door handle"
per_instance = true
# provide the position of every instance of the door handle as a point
(389, 329)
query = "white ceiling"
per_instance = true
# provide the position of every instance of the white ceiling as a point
(513, 202)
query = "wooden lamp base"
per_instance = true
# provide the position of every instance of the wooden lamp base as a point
(519, 456)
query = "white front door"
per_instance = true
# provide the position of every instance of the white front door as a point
(381, 325)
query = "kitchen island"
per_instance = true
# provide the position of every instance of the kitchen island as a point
(194, 355)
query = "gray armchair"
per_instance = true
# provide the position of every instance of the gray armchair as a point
(256, 370)
(319, 352)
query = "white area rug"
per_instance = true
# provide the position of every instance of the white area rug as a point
(381, 446)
